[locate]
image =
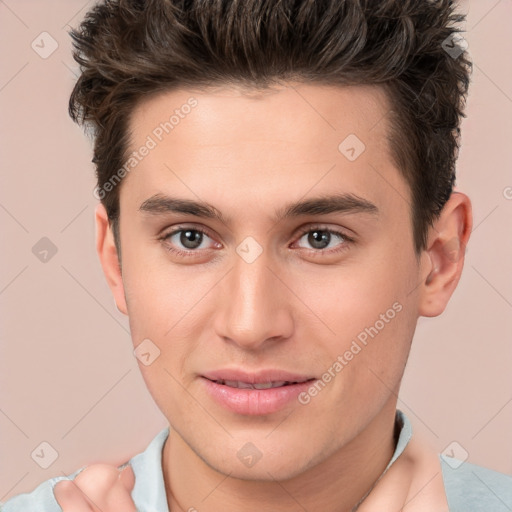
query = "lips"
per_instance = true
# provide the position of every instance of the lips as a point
(261, 393)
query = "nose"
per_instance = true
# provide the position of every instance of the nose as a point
(255, 306)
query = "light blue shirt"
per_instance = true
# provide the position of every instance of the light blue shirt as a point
(469, 488)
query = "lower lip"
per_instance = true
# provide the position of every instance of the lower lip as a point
(254, 401)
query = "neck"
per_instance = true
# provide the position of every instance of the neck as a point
(338, 483)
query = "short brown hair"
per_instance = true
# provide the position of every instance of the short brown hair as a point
(128, 49)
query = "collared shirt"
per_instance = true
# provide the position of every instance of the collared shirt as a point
(468, 487)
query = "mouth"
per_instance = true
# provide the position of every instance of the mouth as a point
(258, 385)
(255, 394)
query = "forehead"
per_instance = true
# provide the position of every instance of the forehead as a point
(282, 142)
(287, 112)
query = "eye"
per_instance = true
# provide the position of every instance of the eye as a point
(186, 240)
(190, 242)
(323, 240)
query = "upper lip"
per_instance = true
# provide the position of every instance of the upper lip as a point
(259, 377)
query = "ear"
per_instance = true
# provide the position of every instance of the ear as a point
(109, 259)
(443, 260)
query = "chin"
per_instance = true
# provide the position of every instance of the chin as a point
(265, 464)
(269, 471)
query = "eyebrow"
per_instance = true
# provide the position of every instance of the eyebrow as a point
(322, 205)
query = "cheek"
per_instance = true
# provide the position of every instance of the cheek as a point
(349, 299)
(368, 317)
(162, 297)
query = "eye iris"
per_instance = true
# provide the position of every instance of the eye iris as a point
(319, 239)
(191, 239)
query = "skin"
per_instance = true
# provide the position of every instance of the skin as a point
(99, 487)
(294, 308)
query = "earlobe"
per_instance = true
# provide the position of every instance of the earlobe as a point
(108, 256)
(444, 261)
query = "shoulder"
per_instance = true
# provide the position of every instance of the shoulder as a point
(473, 488)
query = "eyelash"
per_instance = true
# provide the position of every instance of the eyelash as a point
(320, 252)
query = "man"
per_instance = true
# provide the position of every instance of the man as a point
(277, 210)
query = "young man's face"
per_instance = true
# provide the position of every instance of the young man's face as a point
(261, 296)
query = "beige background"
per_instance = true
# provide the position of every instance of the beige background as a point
(67, 373)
